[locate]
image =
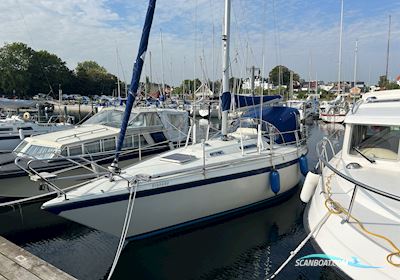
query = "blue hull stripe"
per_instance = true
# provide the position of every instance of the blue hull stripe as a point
(120, 197)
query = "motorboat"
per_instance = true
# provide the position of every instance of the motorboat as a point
(257, 161)
(149, 130)
(354, 203)
(14, 129)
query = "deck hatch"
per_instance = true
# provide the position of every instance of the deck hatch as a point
(178, 158)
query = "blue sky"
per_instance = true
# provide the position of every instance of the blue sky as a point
(294, 33)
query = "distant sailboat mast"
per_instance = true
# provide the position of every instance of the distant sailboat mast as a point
(355, 64)
(118, 85)
(340, 48)
(388, 49)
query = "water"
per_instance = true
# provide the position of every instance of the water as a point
(249, 246)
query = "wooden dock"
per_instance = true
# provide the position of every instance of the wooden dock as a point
(17, 263)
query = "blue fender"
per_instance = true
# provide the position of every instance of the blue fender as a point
(275, 181)
(303, 165)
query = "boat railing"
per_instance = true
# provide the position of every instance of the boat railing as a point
(269, 131)
(76, 162)
(323, 148)
(81, 133)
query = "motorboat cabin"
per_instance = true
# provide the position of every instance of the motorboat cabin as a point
(149, 130)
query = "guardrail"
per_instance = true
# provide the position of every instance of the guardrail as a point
(323, 157)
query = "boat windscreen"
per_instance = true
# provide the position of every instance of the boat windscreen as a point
(108, 117)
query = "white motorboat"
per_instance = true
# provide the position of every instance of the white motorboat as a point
(258, 162)
(14, 129)
(149, 130)
(354, 204)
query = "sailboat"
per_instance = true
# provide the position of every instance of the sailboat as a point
(258, 161)
(336, 110)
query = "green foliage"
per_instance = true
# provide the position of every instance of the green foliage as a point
(48, 71)
(326, 95)
(15, 61)
(94, 79)
(384, 83)
(284, 73)
(26, 72)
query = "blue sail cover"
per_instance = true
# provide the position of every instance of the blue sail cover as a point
(137, 71)
(226, 101)
(246, 100)
(285, 119)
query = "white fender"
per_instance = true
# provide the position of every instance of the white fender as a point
(310, 183)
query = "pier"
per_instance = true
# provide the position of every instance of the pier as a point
(17, 263)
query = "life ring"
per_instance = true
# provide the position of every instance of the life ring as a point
(26, 116)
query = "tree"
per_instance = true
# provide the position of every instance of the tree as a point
(15, 60)
(47, 72)
(94, 79)
(384, 83)
(284, 75)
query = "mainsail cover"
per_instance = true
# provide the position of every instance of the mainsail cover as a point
(137, 70)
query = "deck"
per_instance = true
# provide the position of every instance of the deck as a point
(17, 263)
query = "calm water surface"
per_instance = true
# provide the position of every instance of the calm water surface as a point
(249, 246)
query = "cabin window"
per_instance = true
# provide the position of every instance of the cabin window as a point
(375, 141)
(40, 152)
(138, 121)
(109, 144)
(128, 143)
(75, 150)
(92, 147)
(21, 146)
(25, 128)
(107, 117)
(152, 119)
(217, 153)
(6, 129)
(177, 121)
(64, 152)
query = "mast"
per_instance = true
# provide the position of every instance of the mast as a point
(388, 49)
(137, 71)
(226, 96)
(162, 64)
(118, 85)
(340, 47)
(291, 86)
(151, 74)
(355, 64)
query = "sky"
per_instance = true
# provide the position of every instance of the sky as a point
(300, 34)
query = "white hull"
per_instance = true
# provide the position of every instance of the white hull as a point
(347, 240)
(164, 210)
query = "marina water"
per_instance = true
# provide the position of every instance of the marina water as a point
(247, 246)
